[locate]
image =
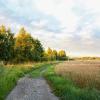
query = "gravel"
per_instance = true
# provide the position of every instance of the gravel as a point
(32, 89)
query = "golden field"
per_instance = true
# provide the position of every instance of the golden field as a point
(85, 74)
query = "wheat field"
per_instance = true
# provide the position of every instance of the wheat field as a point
(85, 74)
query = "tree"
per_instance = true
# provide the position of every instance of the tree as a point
(50, 54)
(27, 48)
(54, 54)
(45, 56)
(6, 44)
(3, 29)
(62, 55)
(38, 50)
(23, 45)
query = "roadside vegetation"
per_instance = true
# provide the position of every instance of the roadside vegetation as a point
(41, 68)
(63, 86)
(9, 76)
(66, 89)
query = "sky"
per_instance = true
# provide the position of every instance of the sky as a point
(72, 25)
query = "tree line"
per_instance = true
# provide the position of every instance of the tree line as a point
(22, 47)
(51, 55)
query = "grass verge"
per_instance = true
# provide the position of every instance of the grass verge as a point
(9, 77)
(11, 73)
(40, 68)
(65, 89)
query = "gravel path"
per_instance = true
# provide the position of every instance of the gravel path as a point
(31, 89)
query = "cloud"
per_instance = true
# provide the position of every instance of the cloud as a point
(61, 10)
(73, 25)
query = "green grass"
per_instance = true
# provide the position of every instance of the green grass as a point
(10, 74)
(65, 89)
(40, 68)
(8, 78)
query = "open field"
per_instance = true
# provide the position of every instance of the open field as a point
(83, 73)
(66, 89)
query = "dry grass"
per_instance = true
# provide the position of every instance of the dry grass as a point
(83, 73)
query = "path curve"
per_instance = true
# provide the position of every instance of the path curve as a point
(31, 89)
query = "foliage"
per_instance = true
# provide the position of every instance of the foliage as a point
(37, 51)
(22, 47)
(19, 48)
(55, 55)
(6, 44)
(50, 54)
(62, 55)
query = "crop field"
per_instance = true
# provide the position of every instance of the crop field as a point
(75, 80)
(85, 74)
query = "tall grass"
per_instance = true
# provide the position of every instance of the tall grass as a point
(9, 77)
(11, 73)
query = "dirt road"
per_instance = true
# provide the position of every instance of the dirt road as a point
(31, 89)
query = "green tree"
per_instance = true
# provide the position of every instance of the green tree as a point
(6, 44)
(38, 50)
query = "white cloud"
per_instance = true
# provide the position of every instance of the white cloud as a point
(77, 27)
(39, 24)
(93, 5)
(61, 10)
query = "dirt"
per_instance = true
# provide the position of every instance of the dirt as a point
(32, 89)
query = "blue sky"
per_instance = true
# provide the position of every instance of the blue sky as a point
(72, 25)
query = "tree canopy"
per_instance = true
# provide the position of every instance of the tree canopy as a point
(26, 47)
(6, 44)
(23, 47)
(55, 55)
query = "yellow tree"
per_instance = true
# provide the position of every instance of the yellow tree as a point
(61, 55)
(23, 45)
(27, 48)
(50, 54)
(54, 54)
(2, 29)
